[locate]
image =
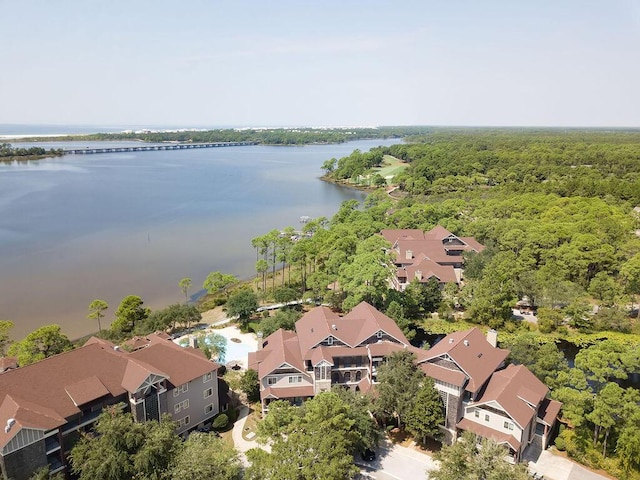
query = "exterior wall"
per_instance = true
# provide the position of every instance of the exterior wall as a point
(22, 463)
(188, 400)
(282, 380)
(496, 422)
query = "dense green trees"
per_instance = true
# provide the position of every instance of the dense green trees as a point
(405, 394)
(40, 344)
(218, 281)
(466, 460)
(170, 317)
(315, 441)
(205, 457)
(129, 313)
(250, 385)
(242, 304)
(5, 340)
(7, 151)
(120, 448)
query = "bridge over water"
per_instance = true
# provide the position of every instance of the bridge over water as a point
(152, 148)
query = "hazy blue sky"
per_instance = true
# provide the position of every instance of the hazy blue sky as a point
(346, 62)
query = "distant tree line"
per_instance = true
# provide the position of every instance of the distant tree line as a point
(267, 136)
(6, 150)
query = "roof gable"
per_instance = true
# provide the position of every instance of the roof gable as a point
(471, 352)
(517, 390)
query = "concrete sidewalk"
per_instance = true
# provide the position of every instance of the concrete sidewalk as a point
(555, 467)
(239, 442)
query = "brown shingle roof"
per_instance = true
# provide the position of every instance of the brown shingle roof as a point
(391, 235)
(438, 372)
(472, 353)
(549, 410)
(486, 432)
(45, 394)
(86, 390)
(280, 347)
(428, 268)
(181, 364)
(517, 391)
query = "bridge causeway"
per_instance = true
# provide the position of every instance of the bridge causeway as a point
(153, 148)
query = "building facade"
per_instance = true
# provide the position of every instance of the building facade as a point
(47, 405)
(479, 392)
(421, 256)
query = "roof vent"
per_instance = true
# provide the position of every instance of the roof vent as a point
(466, 343)
(451, 340)
(334, 326)
(10, 423)
(116, 348)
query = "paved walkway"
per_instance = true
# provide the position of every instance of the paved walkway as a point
(240, 443)
(555, 467)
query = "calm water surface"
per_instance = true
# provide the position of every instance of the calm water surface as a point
(105, 226)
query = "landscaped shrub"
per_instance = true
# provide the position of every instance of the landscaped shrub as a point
(220, 422)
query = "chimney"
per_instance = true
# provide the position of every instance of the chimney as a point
(492, 338)
(408, 254)
(193, 341)
(419, 275)
(260, 335)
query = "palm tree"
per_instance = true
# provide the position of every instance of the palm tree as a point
(185, 284)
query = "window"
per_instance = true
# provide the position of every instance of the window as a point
(296, 379)
(510, 426)
(208, 408)
(477, 413)
(506, 424)
(208, 392)
(379, 334)
(207, 377)
(181, 406)
(181, 389)
(271, 380)
(330, 341)
(176, 392)
(486, 417)
(183, 422)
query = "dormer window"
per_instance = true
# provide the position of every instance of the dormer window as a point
(330, 341)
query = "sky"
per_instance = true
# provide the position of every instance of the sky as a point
(320, 63)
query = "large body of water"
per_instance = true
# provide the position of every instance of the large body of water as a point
(76, 228)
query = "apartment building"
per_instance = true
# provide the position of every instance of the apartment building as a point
(44, 407)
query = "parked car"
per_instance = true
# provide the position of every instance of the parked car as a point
(368, 455)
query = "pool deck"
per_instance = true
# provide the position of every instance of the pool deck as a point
(249, 340)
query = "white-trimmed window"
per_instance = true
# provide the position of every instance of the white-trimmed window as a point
(271, 380)
(208, 392)
(486, 417)
(181, 406)
(183, 421)
(208, 408)
(508, 425)
(180, 389)
(379, 334)
(330, 341)
(477, 413)
(295, 379)
(207, 377)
